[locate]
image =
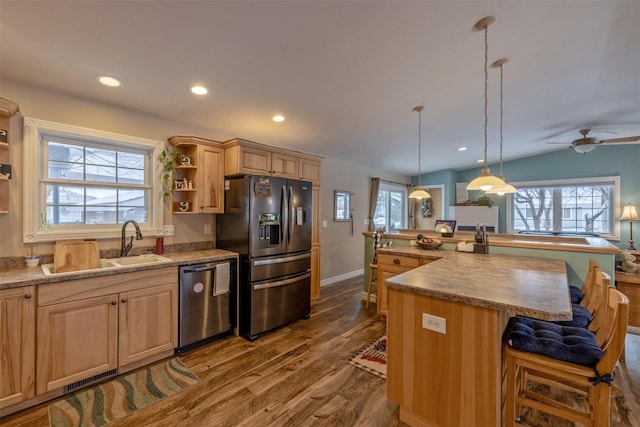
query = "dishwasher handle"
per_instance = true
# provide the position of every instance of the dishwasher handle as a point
(198, 269)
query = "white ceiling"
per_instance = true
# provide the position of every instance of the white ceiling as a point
(346, 74)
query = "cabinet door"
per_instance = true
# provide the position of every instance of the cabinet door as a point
(211, 179)
(254, 161)
(148, 322)
(284, 165)
(17, 344)
(76, 340)
(315, 272)
(310, 171)
(385, 272)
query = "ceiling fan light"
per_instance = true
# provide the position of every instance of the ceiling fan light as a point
(485, 181)
(419, 193)
(584, 148)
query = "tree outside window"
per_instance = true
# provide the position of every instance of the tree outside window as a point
(567, 208)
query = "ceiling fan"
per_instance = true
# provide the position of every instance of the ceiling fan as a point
(586, 144)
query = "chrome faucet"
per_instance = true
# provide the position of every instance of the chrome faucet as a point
(124, 249)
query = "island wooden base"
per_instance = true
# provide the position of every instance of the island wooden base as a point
(452, 379)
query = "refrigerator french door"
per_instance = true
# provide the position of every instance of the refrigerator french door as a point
(268, 221)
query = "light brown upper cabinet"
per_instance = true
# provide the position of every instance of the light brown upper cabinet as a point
(253, 158)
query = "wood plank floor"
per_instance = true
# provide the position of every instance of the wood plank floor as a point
(299, 376)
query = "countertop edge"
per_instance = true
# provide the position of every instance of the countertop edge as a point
(23, 276)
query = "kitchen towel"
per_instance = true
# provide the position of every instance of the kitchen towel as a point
(221, 284)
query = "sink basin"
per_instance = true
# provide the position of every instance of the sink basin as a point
(112, 264)
(126, 261)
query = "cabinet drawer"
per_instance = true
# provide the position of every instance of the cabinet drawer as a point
(398, 261)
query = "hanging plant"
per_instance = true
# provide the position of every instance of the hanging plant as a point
(426, 207)
(168, 159)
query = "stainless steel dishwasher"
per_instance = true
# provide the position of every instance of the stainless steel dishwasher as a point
(207, 302)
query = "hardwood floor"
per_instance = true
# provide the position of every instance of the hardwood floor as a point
(298, 376)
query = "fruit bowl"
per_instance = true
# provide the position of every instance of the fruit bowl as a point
(430, 246)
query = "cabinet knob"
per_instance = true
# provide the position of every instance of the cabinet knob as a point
(123, 300)
(396, 261)
(28, 296)
(114, 302)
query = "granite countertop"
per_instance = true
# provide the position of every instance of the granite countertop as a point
(534, 287)
(22, 276)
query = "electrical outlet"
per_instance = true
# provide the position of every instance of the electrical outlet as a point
(207, 229)
(324, 223)
(434, 323)
(168, 230)
(366, 221)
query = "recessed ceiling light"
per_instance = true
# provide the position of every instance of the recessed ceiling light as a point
(462, 148)
(109, 81)
(278, 118)
(199, 90)
(480, 161)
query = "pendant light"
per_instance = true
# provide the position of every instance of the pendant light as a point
(419, 192)
(501, 190)
(485, 181)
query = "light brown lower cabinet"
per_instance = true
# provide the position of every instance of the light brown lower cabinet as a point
(91, 326)
(17, 345)
(389, 266)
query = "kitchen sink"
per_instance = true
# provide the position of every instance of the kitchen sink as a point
(127, 261)
(112, 263)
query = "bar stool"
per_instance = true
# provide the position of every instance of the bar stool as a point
(373, 268)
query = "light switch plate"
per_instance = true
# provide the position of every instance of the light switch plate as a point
(169, 230)
(434, 323)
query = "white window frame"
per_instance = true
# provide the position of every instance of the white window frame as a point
(34, 199)
(615, 180)
(386, 186)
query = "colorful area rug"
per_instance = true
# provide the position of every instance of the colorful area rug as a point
(373, 358)
(105, 403)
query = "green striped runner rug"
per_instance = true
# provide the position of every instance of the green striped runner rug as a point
(104, 403)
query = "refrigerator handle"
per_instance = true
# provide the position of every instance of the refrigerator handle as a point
(284, 214)
(282, 282)
(292, 215)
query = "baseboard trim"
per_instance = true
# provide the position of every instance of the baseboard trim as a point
(341, 277)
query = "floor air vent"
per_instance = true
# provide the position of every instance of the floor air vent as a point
(91, 380)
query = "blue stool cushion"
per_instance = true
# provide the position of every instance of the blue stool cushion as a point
(581, 317)
(575, 345)
(576, 294)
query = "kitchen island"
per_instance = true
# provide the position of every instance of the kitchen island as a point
(444, 330)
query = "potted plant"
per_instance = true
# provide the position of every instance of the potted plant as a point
(168, 159)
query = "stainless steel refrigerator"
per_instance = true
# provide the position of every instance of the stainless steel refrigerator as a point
(267, 221)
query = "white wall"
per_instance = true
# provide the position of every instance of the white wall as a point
(343, 253)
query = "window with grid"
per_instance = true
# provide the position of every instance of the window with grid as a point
(87, 183)
(586, 206)
(391, 210)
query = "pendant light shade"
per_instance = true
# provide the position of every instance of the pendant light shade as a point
(419, 192)
(501, 190)
(485, 181)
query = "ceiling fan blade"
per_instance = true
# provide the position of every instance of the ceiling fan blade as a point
(568, 144)
(626, 139)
